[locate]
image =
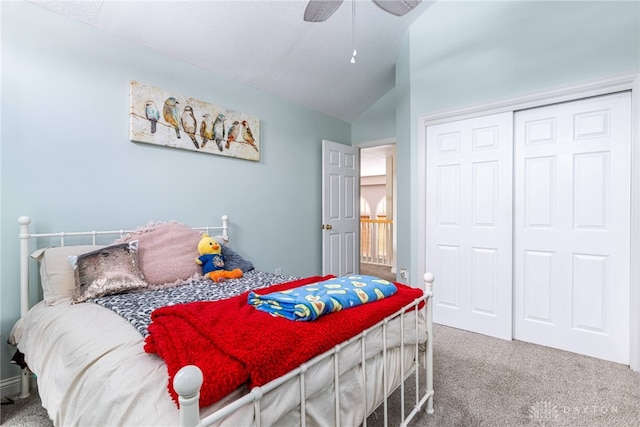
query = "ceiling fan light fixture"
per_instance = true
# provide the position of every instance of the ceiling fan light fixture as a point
(353, 31)
(320, 10)
(397, 7)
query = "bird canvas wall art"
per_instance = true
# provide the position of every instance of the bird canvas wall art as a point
(164, 118)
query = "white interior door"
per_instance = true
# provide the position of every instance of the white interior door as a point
(572, 225)
(469, 223)
(340, 209)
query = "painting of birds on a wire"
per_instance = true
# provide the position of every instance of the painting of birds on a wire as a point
(165, 118)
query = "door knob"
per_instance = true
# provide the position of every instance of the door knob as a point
(328, 227)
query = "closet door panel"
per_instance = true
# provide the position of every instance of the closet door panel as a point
(572, 226)
(469, 223)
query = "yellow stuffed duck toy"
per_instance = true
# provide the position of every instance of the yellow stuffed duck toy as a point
(212, 260)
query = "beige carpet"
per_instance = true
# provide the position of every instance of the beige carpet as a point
(483, 381)
(25, 413)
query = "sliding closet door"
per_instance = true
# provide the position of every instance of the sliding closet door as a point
(572, 223)
(469, 223)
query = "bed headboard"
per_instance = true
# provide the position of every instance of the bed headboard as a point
(79, 237)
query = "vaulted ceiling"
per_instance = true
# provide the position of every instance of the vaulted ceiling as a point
(266, 44)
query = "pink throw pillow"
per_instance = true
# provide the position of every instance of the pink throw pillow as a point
(167, 252)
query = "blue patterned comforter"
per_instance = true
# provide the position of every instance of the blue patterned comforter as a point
(309, 302)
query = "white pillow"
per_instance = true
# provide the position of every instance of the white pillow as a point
(56, 273)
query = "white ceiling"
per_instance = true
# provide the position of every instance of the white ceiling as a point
(373, 161)
(266, 44)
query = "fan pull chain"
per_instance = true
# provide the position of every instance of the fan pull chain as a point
(353, 31)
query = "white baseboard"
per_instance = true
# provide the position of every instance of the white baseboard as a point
(11, 386)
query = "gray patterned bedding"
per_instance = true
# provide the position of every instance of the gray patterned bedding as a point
(137, 307)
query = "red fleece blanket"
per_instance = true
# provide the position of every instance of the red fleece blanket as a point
(233, 343)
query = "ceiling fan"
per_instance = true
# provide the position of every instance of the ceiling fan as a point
(321, 10)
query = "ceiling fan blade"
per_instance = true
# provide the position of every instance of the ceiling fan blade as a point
(397, 7)
(320, 10)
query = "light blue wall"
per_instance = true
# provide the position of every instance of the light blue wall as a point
(378, 122)
(467, 53)
(403, 212)
(67, 161)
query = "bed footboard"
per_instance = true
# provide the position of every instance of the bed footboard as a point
(188, 380)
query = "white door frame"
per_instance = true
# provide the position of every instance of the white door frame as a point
(603, 86)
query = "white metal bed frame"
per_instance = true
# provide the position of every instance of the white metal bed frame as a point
(188, 380)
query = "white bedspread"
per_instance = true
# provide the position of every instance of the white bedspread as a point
(83, 355)
(92, 371)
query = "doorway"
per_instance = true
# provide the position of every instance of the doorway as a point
(377, 206)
